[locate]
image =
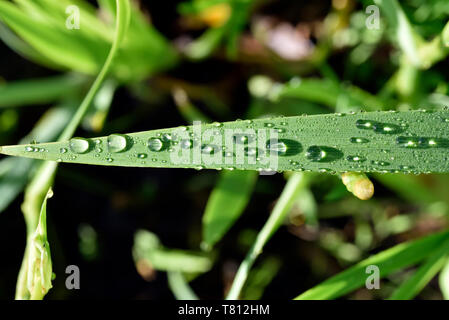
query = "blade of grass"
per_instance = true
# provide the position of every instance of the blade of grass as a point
(388, 261)
(38, 91)
(295, 184)
(412, 286)
(444, 280)
(42, 181)
(396, 142)
(226, 203)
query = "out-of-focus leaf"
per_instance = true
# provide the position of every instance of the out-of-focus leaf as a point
(226, 203)
(180, 287)
(38, 91)
(388, 261)
(412, 286)
(444, 280)
(148, 249)
(404, 34)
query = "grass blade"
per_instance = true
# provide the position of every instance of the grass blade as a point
(444, 280)
(37, 91)
(388, 261)
(396, 142)
(412, 286)
(226, 204)
(296, 183)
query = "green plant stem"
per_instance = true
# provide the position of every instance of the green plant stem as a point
(36, 191)
(180, 287)
(296, 183)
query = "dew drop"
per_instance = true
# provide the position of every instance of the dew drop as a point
(63, 150)
(29, 149)
(186, 144)
(277, 147)
(208, 149)
(117, 143)
(355, 158)
(155, 144)
(316, 154)
(142, 155)
(363, 124)
(79, 145)
(359, 140)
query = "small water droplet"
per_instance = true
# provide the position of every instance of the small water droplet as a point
(142, 155)
(186, 144)
(359, 140)
(63, 150)
(355, 158)
(208, 149)
(29, 149)
(109, 159)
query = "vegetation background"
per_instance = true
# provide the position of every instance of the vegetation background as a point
(218, 61)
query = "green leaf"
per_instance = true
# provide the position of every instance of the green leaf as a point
(388, 261)
(180, 287)
(226, 203)
(404, 34)
(55, 44)
(444, 280)
(412, 286)
(407, 142)
(148, 249)
(37, 91)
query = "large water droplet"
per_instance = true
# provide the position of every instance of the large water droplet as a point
(155, 144)
(117, 143)
(364, 124)
(277, 147)
(323, 154)
(79, 145)
(316, 154)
